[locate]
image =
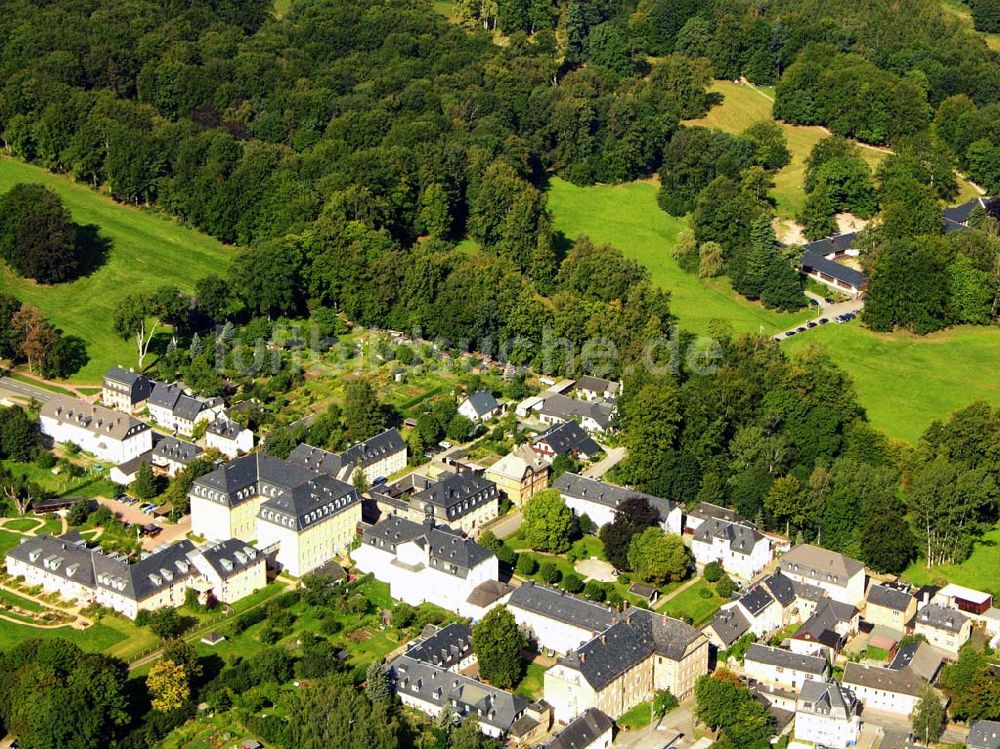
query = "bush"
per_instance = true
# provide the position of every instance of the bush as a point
(705, 593)
(550, 573)
(713, 572)
(572, 583)
(526, 565)
(595, 591)
(725, 587)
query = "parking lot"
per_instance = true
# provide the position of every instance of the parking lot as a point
(826, 314)
(130, 512)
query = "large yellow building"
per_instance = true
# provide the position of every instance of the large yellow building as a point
(311, 517)
(638, 654)
(520, 475)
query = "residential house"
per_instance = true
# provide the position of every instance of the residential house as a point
(429, 688)
(762, 608)
(705, 511)
(448, 647)
(125, 390)
(520, 474)
(533, 725)
(480, 407)
(984, 734)
(827, 714)
(172, 455)
(228, 437)
(782, 669)
(56, 564)
(890, 606)
(591, 729)
(125, 473)
(591, 388)
(945, 628)
(593, 417)
(464, 501)
(598, 500)
(728, 626)
(885, 690)
(311, 515)
(638, 654)
(568, 438)
(826, 631)
(842, 578)
(232, 569)
(110, 436)
(175, 409)
(920, 658)
(556, 620)
(158, 580)
(378, 457)
(426, 563)
(740, 548)
(321, 461)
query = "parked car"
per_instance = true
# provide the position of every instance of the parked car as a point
(824, 320)
(828, 300)
(813, 303)
(379, 481)
(800, 329)
(790, 333)
(810, 324)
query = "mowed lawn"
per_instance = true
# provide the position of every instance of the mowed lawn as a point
(906, 381)
(744, 105)
(148, 249)
(980, 571)
(628, 217)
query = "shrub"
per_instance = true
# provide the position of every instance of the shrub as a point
(725, 587)
(705, 593)
(526, 565)
(713, 572)
(550, 573)
(572, 583)
(595, 591)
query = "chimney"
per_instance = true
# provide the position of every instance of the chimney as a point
(927, 597)
(583, 657)
(604, 639)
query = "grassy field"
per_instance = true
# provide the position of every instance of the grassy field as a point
(691, 602)
(961, 11)
(906, 381)
(628, 217)
(743, 106)
(979, 571)
(99, 638)
(533, 682)
(148, 249)
(638, 717)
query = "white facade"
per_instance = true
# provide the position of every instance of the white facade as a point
(551, 634)
(895, 693)
(834, 728)
(745, 566)
(101, 433)
(766, 620)
(602, 514)
(230, 446)
(840, 577)
(789, 675)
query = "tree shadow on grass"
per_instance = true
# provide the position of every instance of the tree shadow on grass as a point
(92, 248)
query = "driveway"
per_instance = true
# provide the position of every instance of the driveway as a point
(133, 515)
(828, 311)
(595, 569)
(656, 736)
(507, 526)
(605, 464)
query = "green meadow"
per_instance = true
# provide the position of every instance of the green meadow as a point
(148, 249)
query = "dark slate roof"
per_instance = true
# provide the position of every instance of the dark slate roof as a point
(188, 408)
(483, 402)
(438, 686)
(827, 698)
(814, 257)
(889, 597)
(821, 626)
(567, 438)
(148, 576)
(316, 459)
(582, 731)
(225, 428)
(449, 551)
(321, 498)
(95, 419)
(902, 681)
(123, 376)
(247, 471)
(231, 557)
(561, 606)
(740, 537)
(780, 587)
(635, 635)
(921, 658)
(960, 214)
(60, 557)
(609, 495)
(810, 664)
(730, 625)
(597, 385)
(457, 493)
(566, 408)
(756, 599)
(165, 395)
(446, 647)
(375, 449)
(940, 617)
(706, 510)
(176, 450)
(984, 734)
(488, 592)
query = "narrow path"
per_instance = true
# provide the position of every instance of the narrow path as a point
(676, 591)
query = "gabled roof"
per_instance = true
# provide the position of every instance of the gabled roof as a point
(521, 462)
(598, 385)
(730, 625)
(452, 489)
(565, 408)
(123, 376)
(483, 402)
(940, 617)
(567, 438)
(95, 419)
(820, 564)
(57, 556)
(780, 587)
(902, 681)
(561, 607)
(706, 511)
(923, 659)
(165, 395)
(445, 647)
(375, 449)
(231, 557)
(599, 492)
(814, 256)
(178, 451)
(581, 732)
(984, 734)
(317, 459)
(633, 637)
(225, 428)
(810, 664)
(828, 699)
(447, 551)
(740, 537)
(755, 599)
(321, 498)
(147, 577)
(888, 597)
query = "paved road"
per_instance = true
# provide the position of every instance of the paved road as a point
(605, 464)
(895, 726)
(656, 736)
(507, 526)
(829, 311)
(18, 389)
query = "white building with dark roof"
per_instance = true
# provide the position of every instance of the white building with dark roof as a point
(172, 455)
(783, 669)
(109, 435)
(448, 647)
(839, 576)
(480, 406)
(125, 390)
(945, 628)
(827, 714)
(228, 437)
(599, 500)
(590, 388)
(232, 569)
(463, 501)
(381, 456)
(596, 416)
(741, 549)
(884, 690)
(888, 605)
(568, 438)
(426, 563)
(591, 729)
(429, 688)
(556, 620)
(174, 408)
